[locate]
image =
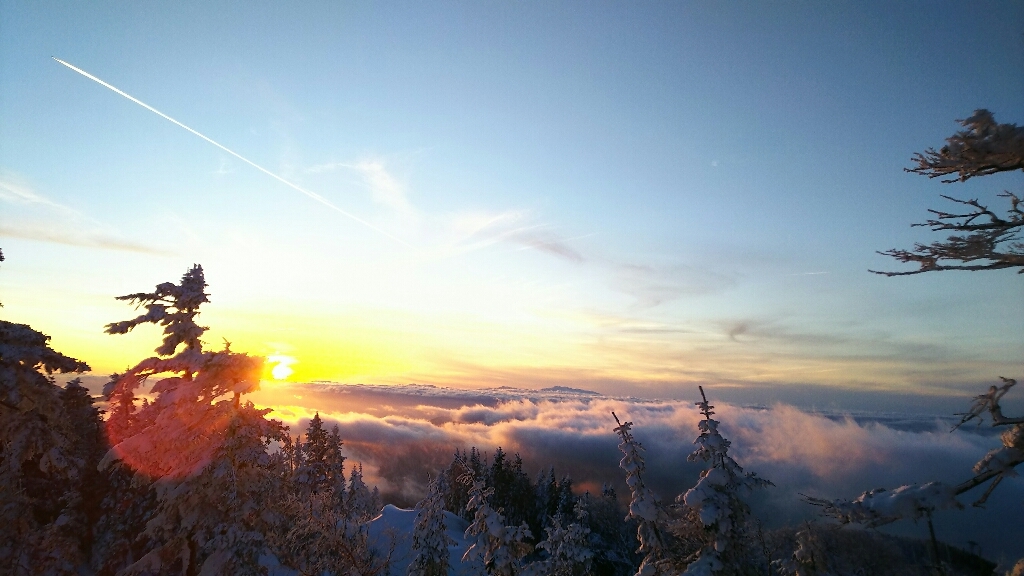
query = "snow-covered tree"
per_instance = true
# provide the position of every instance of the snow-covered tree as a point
(317, 464)
(718, 499)
(644, 506)
(360, 501)
(980, 238)
(315, 538)
(499, 547)
(430, 540)
(204, 450)
(42, 457)
(567, 547)
(50, 443)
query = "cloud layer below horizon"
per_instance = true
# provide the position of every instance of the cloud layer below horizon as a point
(402, 434)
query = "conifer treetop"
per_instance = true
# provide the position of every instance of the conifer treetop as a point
(173, 306)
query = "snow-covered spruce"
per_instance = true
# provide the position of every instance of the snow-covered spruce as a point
(361, 503)
(718, 499)
(499, 547)
(317, 538)
(430, 540)
(317, 464)
(44, 456)
(568, 547)
(204, 449)
(644, 506)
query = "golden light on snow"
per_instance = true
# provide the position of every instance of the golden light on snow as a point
(282, 366)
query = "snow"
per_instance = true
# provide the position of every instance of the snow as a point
(395, 525)
(879, 507)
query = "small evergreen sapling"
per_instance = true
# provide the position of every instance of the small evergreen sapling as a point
(644, 506)
(430, 540)
(718, 499)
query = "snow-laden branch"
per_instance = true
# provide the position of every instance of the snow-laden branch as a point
(985, 147)
(880, 506)
(989, 402)
(982, 239)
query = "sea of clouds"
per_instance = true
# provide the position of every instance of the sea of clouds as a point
(403, 434)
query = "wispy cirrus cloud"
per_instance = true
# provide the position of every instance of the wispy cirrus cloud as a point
(384, 187)
(41, 219)
(72, 238)
(476, 230)
(653, 285)
(462, 232)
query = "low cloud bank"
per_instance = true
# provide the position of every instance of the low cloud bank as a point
(402, 434)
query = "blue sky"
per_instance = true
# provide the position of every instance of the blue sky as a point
(625, 197)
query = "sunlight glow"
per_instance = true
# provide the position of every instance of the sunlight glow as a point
(282, 369)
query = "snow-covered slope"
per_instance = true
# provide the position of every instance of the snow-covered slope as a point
(394, 527)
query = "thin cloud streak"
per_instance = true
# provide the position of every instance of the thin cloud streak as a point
(17, 193)
(383, 186)
(296, 187)
(86, 240)
(63, 225)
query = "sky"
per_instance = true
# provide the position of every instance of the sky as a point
(634, 199)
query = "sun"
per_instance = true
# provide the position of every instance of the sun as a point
(282, 370)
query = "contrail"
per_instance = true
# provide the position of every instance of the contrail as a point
(312, 195)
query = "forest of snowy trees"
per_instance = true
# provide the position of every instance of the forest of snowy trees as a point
(182, 475)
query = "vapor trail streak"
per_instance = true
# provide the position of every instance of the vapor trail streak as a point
(312, 195)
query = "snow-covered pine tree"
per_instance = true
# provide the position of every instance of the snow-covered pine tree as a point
(359, 501)
(498, 547)
(334, 464)
(318, 463)
(430, 540)
(644, 506)
(41, 465)
(376, 502)
(205, 450)
(612, 540)
(806, 559)
(311, 477)
(457, 496)
(323, 526)
(318, 539)
(568, 547)
(718, 499)
(87, 449)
